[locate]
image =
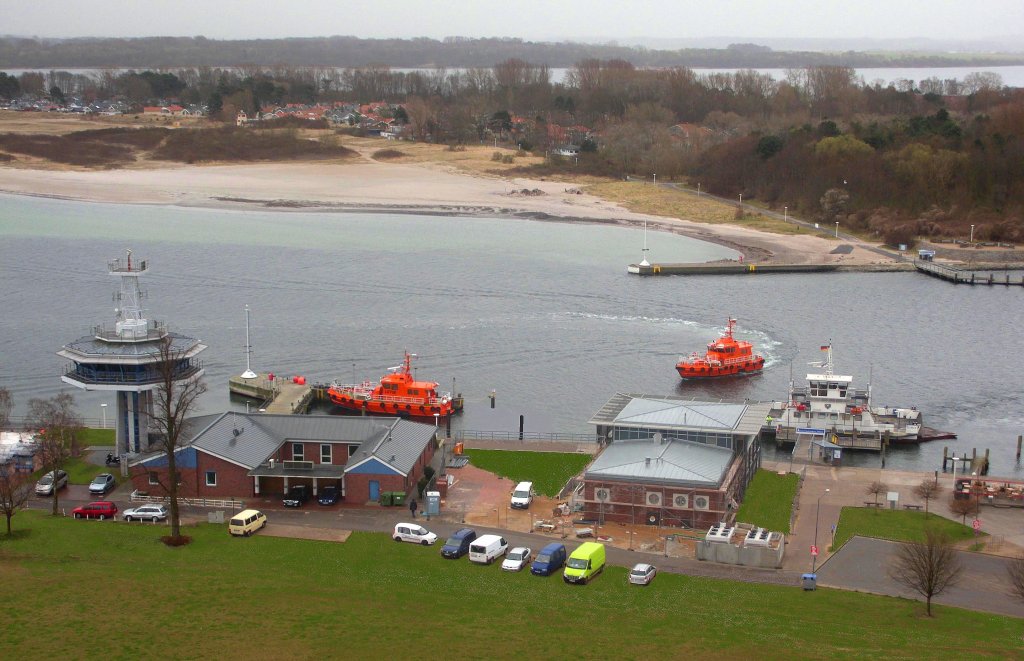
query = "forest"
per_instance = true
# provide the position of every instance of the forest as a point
(912, 158)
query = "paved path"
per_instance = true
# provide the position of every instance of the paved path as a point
(860, 565)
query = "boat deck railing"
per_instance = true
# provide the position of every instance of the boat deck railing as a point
(361, 392)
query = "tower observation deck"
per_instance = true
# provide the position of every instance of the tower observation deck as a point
(126, 358)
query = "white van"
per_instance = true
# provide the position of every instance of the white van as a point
(247, 522)
(522, 496)
(486, 548)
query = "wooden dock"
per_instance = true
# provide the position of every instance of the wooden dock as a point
(274, 395)
(960, 276)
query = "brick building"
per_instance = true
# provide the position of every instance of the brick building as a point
(245, 455)
(670, 461)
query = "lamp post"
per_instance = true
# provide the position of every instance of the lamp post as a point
(103, 408)
(837, 229)
(817, 510)
(972, 234)
(698, 189)
(785, 214)
(655, 175)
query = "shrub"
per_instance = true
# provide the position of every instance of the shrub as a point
(383, 154)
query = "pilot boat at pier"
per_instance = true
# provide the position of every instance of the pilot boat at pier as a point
(397, 394)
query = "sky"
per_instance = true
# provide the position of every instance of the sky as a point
(548, 20)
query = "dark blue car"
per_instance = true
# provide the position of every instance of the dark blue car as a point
(458, 544)
(328, 496)
(549, 560)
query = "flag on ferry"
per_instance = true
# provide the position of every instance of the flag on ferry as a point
(824, 347)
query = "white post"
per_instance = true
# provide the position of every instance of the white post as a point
(785, 214)
(972, 233)
(103, 408)
(698, 189)
(655, 175)
(837, 229)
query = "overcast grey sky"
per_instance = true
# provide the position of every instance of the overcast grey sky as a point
(527, 19)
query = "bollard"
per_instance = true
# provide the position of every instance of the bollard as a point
(521, 419)
(1019, 438)
(494, 393)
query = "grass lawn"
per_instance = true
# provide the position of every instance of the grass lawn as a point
(549, 471)
(371, 597)
(102, 437)
(891, 524)
(769, 500)
(80, 471)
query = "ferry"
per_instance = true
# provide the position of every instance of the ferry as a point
(725, 356)
(397, 394)
(830, 408)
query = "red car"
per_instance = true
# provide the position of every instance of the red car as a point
(103, 509)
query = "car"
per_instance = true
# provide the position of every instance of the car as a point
(411, 532)
(47, 483)
(102, 509)
(458, 544)
(517, 558)
(328, 496)
(145, 513)
(102, 483)
(642, 574)
(297, 495)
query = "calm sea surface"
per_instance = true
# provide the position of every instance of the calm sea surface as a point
(543, 313)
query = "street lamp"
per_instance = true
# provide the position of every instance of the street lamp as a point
(817, 510)
(655, 175)
(785, 214)
(837, 229)
(103, 408)
(972, 233)
(698, 189)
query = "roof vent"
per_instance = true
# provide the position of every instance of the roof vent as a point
(647, 461)
(236, 432)
(392, 459)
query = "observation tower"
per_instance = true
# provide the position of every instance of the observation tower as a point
(126, 358)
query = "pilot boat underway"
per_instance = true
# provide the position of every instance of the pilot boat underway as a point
(396, 394)
(831, 409)
(725, 356)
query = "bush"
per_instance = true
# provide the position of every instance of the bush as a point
(383, 154)
(496, 156)
(508, 159)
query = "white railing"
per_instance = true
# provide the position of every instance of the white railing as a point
(139, 497)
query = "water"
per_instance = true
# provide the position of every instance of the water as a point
(543, 313)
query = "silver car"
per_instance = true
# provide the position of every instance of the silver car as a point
(47, 483)
(642, 574)
(146, 513)
(102, 483)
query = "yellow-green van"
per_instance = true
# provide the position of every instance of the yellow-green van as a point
(586, 562)
(247, 522)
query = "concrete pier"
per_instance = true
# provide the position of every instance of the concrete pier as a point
(275, 395)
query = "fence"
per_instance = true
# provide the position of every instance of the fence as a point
(139, 497)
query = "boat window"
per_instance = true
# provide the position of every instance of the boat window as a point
(834, 416)
(796, 414)
(842, 392)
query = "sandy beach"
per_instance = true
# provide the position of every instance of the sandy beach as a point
(429, 188)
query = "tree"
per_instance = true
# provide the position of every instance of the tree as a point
(963, 507)
(1016, 571)
(927, 490)
(14, 491)
(173, 400)
(928, 567)
(59, 428)
(876, 488)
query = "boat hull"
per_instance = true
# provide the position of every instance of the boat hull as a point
(706, 371)
(402, 409)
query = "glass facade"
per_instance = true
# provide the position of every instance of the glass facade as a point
(722, 440)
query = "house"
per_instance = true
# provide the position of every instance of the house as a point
(692, 136)
(242, 455)
(671, 461)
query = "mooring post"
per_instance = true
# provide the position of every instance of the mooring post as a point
(945, 456)
(521, 419)
(1020, 437)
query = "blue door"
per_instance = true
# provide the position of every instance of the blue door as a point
(374, 490)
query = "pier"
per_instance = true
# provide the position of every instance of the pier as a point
(959, 276)
(727, 268)
(276, 395)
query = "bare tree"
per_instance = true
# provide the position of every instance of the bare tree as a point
(1015, 569)
(928, 567)
(927, 490)
(14, 491)
(876, 488)
(963, 507)
(173, 400)
(60, 427)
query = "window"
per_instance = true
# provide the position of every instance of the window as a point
(325, 453)
(153, 479)
(297, 452)
(211, 478)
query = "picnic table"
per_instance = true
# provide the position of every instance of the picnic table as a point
(908, 506)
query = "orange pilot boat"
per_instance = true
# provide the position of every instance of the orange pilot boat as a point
(397, 394)
(725, 356)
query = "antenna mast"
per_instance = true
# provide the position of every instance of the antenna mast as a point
(644, 262)
(248, 373)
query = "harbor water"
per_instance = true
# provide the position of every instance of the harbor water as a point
(541, 313)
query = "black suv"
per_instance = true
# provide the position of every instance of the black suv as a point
(296, 496)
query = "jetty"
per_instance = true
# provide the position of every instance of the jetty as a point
(961, 276)
(276, 395)
(727, 268)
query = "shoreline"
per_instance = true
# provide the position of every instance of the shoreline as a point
(421, 189)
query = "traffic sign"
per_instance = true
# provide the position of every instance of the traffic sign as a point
(977, 524)
(814, 550)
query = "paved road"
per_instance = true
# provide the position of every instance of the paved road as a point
(862, 565)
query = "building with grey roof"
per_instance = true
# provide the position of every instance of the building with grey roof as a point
(242, 455)
(671, 461)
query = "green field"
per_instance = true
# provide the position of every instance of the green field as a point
(549, 471)
(769, 500)
(894, 525)
(74, 589)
